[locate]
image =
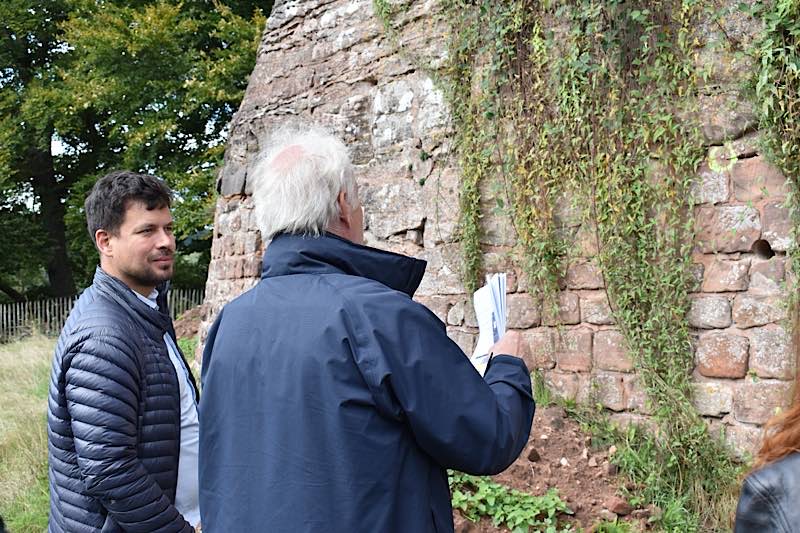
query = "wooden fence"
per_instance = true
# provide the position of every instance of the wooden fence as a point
(48, 316)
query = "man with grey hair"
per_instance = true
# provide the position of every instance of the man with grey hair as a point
(331, 400)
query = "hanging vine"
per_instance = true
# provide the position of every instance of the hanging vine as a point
(588, 99)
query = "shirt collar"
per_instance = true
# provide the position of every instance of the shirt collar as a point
(150, 299)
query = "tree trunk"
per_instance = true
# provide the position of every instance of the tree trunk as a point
(51, 193)
(10, 292)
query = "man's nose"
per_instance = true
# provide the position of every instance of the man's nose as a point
(166, 239)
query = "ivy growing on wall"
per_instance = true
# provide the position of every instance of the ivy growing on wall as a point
(589, 100)
(776, 88)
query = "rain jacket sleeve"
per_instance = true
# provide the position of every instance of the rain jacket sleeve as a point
(416, 373)
(102, 384)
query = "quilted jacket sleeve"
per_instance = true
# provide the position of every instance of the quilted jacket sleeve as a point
(102, 392)
(473, 424)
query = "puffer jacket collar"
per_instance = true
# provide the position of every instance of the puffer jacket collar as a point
(146, 316)
(328, 253)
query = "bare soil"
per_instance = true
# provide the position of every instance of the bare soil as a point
(559, 455)
(188, 324)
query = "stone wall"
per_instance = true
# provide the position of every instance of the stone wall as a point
(330, 61)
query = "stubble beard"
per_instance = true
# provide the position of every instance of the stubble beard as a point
(152, 275)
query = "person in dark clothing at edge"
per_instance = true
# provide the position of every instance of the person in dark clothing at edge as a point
(122, 414)
(332, 402)
(768, 498)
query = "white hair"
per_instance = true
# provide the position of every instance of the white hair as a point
(298, 177)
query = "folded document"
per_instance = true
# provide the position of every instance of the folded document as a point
(490, 310)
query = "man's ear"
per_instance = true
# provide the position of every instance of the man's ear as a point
(102, 239)
(344, 209)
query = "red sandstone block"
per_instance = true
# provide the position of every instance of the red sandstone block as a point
(610, 351)
(722, 355)
(574, 350)
(757, 400)
(754, 179)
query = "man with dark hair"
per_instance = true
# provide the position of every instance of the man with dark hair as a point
(122, 412)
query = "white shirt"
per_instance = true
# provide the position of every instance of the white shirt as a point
(187, 493)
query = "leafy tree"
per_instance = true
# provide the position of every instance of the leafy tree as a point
(88, 86)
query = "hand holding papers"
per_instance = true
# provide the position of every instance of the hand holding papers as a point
(490, 310)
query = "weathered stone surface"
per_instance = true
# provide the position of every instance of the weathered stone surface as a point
(727, 229)
(623, 420)
(771, 354)
(725, 116)
(617, 391)
(455, 316)
(767, 276)
(747, 145)
(393, 208)
(568, 312)
(696, 271)
(439, 305)
(711, 186)
(584, 275)
(330, 62)
(725, 276)
(722, 355)
(541, 348)
(574, 350)
(777, 225)
(709, 312)
(610, 351)
(755, 179)
(744, 440)
(751, 310)
(443, 273)
(609, 390)
(595, 309)
(497, 229)
(523, 311)
(502, 262)
(756, 400)
(585, 239)
(440, 194)
(565, 385)
(713, 398)
(635, 395)
(465, 339)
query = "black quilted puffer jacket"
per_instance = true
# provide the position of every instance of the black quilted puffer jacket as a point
(114, 417)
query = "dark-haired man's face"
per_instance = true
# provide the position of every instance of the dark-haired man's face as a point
(142, 252)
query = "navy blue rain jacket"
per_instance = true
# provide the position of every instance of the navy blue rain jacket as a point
(114, 416)
(332, 402)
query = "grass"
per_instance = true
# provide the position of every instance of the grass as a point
(24, 378)
(24, 382)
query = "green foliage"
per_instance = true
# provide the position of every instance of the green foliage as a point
(612, 527)
(188, 347)
(24, 378)
(649, 463)
(520, 512)
(776, 88)
(541, 394)
(148, 86)
(582, 99)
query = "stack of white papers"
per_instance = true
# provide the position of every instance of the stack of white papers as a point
(490, 310)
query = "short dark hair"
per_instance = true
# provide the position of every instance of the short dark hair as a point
(107, 202)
